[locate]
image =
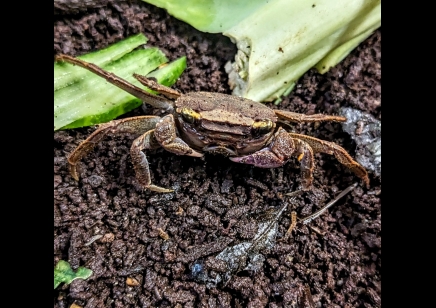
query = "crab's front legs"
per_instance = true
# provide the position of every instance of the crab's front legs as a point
(154, 100)
(136, 125)
(282, 147)
(164, 135)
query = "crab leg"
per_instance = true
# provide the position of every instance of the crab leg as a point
(278, 153)
(321, 146)
(304, 155)
(150, 83)
(165, 133)
(136, 125)
(154, 100)
(300, 118)
(140, 162)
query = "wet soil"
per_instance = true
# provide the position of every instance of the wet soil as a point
(158, 250)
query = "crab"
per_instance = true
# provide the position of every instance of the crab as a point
(206, 122)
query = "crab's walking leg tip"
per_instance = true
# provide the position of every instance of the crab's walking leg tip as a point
(73, 171)
(366, 180)
(159, 189)
(195, 154)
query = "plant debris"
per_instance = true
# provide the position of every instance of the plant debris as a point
(246, 255)
(366, 131)
(64, 273)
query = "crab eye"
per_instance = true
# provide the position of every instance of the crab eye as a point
(189, 115)
(263, 127)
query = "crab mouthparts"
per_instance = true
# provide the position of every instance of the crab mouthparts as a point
(217, 149)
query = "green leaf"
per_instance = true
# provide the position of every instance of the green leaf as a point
(93, 100)
(210, 16)
(279, 40)
(167, 75)
(82, 98)
(65, 75)
(64, 273)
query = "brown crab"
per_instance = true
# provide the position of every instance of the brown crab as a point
(201, 122)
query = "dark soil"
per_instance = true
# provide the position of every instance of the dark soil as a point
(107, 223)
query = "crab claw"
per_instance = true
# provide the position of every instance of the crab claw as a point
(262, 159)
(165, 133)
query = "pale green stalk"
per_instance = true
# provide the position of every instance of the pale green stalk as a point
(279, 40)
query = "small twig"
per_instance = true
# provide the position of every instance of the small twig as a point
(309, 218)
(309, 296)
(256, 183)
(93, 239)
(316, 230)
(306, 220)
(163, 234)
(293, 223)
(294, 193)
